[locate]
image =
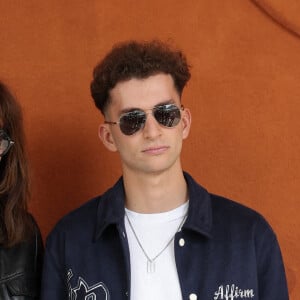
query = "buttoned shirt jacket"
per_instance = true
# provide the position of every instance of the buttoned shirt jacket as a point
(224, 251)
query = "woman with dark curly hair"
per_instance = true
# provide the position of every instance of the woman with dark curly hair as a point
(21, 245)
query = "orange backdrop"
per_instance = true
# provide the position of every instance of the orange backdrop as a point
(244, 96)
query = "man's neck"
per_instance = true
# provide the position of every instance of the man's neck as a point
(155, 193)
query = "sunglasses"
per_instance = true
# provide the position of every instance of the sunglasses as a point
(167, 115)
(5, 142)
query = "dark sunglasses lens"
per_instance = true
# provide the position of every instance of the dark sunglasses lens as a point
(132, 122)
(4, 143)
(167, 115)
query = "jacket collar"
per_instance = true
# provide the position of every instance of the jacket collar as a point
(111, 208)
(199, 217)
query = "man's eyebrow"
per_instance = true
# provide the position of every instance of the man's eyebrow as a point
(170, 101)
(129, 109)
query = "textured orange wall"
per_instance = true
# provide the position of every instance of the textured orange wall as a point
(244, 95)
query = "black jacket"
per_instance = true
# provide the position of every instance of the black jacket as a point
(224, 251)
(20, 269)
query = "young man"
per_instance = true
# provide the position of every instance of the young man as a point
(157, 234)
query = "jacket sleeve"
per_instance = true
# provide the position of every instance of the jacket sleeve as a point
(271, 274)
(54, 283)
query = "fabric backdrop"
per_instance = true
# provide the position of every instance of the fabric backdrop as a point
(244, 95)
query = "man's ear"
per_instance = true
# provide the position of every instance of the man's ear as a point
(106, 137)
(186, 122)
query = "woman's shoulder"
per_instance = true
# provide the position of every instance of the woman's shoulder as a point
(21, 264)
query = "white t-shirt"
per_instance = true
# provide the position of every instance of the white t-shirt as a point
(154, 232)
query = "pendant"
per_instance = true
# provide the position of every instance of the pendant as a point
(150, 266)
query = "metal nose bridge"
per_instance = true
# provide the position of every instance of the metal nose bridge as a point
(149, 111)
(154, 123)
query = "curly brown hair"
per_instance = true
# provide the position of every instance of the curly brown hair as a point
(137, 60)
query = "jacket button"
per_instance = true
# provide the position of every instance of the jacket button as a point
(193, 297)
(181, 242)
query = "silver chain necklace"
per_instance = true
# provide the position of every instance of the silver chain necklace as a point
(151, 261)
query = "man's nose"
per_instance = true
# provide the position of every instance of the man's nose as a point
(152, 128)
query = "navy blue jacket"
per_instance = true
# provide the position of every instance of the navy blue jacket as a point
(224, 251)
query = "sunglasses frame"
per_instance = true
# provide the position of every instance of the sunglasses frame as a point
(181, 108)
(5, 136)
